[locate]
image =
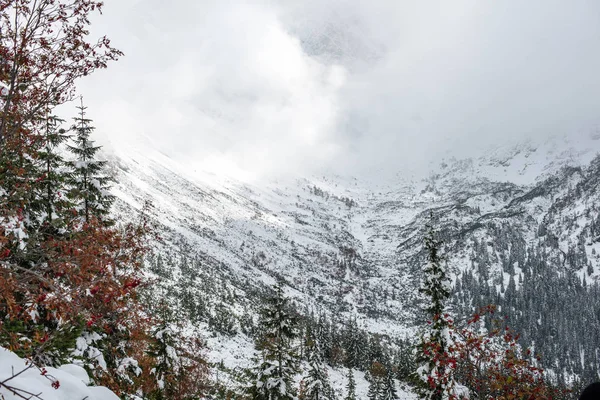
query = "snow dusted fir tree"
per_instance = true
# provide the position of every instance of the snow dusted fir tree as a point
(162, 348)
(53, 177)
(316, 385)
(352, 345)
(389, 391)
(376, 378)
(90, 185)
(44, 180)
(350, 386)
(275, 366)
(433, 341)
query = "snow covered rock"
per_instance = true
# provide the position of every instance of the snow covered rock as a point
(69, 382)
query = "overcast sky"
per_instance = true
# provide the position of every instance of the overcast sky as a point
(256, 88)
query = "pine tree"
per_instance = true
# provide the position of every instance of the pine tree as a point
(404, 360)
(375, 350)
(275, 367)
(352, 345)
(350, 386)
(376, 378)
(389, 390)
(52, 185)
(324, 336)
(374, 389)
(432, 343)
(316, 385)
(90, 184)
(162, 349)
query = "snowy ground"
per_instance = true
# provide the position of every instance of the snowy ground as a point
(69, 382)
(235, 352)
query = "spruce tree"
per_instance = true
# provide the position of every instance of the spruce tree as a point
(350, 386)
(404, 360)
(31, 178)
(316, 383)
(52, 184)
(376, 378)
(432, 342)
(352, 345)
(162, 349)
(277, 363)
(374, 389)
(389, 390)
(89, 183)
(20, 205)
(323, 333)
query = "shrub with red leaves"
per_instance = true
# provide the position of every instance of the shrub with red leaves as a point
(488, 364)
(63, 280)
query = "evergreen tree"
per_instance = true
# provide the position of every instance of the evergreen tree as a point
(20, 205)
(373, 393)
(275, 367)
(375, 351)
(432, 343)
(404, 360)
(177, 369)
(389, 391)
(374, 389)
(350, 386)
(52, 184)
(352, 345)
(323, 334)
(222, 320)
(316, 385)
(162, 349)
(90, 184)
(376, 378)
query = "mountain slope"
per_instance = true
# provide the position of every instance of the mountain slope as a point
(353, 249)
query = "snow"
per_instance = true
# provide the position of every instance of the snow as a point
(339, 380)
(72, 381)
(3, 89)
(15, 226)
(84, 346)
(301, 231)
(77, 371)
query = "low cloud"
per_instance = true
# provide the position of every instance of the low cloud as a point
(291, 86)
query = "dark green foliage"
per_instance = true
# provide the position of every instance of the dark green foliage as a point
(544, 310)
(273, 374)
(404, 361)
(436, 290)
(52, 185)
(222, 320)
(389, 390)
(162, 348)
(436, 283)
(375, 387)
(89, 183)
(54, 344)
(316, 385)
(352, 345)
(350, 386)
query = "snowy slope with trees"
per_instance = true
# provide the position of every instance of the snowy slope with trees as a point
(352, 251)
(127, 275)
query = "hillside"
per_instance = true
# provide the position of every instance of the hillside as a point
(517, 217)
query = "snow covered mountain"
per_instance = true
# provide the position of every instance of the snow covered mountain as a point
(352, 248)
